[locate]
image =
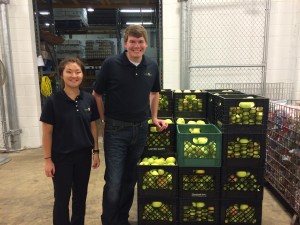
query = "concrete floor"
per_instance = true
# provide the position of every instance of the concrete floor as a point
(26, 194)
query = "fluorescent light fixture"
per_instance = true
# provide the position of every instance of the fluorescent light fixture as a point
(141, 23)
(44, 13)
(136, 10)
(47, 24)
(90, 9)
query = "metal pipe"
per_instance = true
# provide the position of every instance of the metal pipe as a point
(13, 121)
(184, 72)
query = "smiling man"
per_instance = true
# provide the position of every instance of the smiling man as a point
(131, 83)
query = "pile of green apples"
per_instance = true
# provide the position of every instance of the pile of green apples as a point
(157, 211)
(158, 161)
(200, 148)
(157, 179)
(163, 102)
(198, 212)
(198, 181)
(240, 213)
(242, 181)
(246, 114)
(182, 121)
(190, 102)
(243, 148)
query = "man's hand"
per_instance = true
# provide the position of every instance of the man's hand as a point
(160, 124)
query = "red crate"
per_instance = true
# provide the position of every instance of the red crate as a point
(245, 211)
(199, 182)
(242, 182)
(197, 211)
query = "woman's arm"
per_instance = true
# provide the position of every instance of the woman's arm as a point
(47, 145)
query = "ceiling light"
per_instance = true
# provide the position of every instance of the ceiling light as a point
(90, 9)
(44, 13)
(141, 23)
(137, 10)
(47, 24)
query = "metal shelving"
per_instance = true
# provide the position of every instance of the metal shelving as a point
(283, 153)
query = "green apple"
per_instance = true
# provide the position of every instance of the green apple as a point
(202, 140)
(244, 206)
(200, 204)
(170, 159)
(156, 204)
(150, 160)
(200, 122)
(241, 173)
(154, 173)
(168, 121)
(180, 121)
(186, 91)
(150, 121)
(195, 131)
(153, 129)
(191, 122)
(197, 91)
(195, 140)
(160, 171)
(178, 91)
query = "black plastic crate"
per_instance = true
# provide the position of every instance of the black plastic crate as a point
(242, 182)
(245, 211)
(165, 105)
(244, 149)
(159, 181)
(212, 94)
(161, 141)
(190, 104)
(157, 211)
(199, 182)
(241, 113)
(196, 211)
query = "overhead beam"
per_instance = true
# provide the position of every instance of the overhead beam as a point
(76, 4)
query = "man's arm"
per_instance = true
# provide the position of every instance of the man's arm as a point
(154, 101)
(100, 105)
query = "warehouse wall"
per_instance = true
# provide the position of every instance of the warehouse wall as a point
(284, 43)
(171, 44)
(25, 71)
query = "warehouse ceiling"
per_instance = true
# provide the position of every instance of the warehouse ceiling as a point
(106, 17)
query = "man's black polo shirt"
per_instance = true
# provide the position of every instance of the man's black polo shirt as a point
(127, 87)
(71, 121)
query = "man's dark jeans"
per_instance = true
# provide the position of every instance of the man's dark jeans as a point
(123, 147)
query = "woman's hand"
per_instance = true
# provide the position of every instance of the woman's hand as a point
(49, 168)
(96, 161)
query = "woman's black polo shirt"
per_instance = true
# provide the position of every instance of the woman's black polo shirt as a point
(127, 87)
(71, 121)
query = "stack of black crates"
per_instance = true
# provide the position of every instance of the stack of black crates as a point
(242, 119)
(157, 182)
(199, 159)
(220, 149)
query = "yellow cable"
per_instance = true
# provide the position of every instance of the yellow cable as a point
(46, 88)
